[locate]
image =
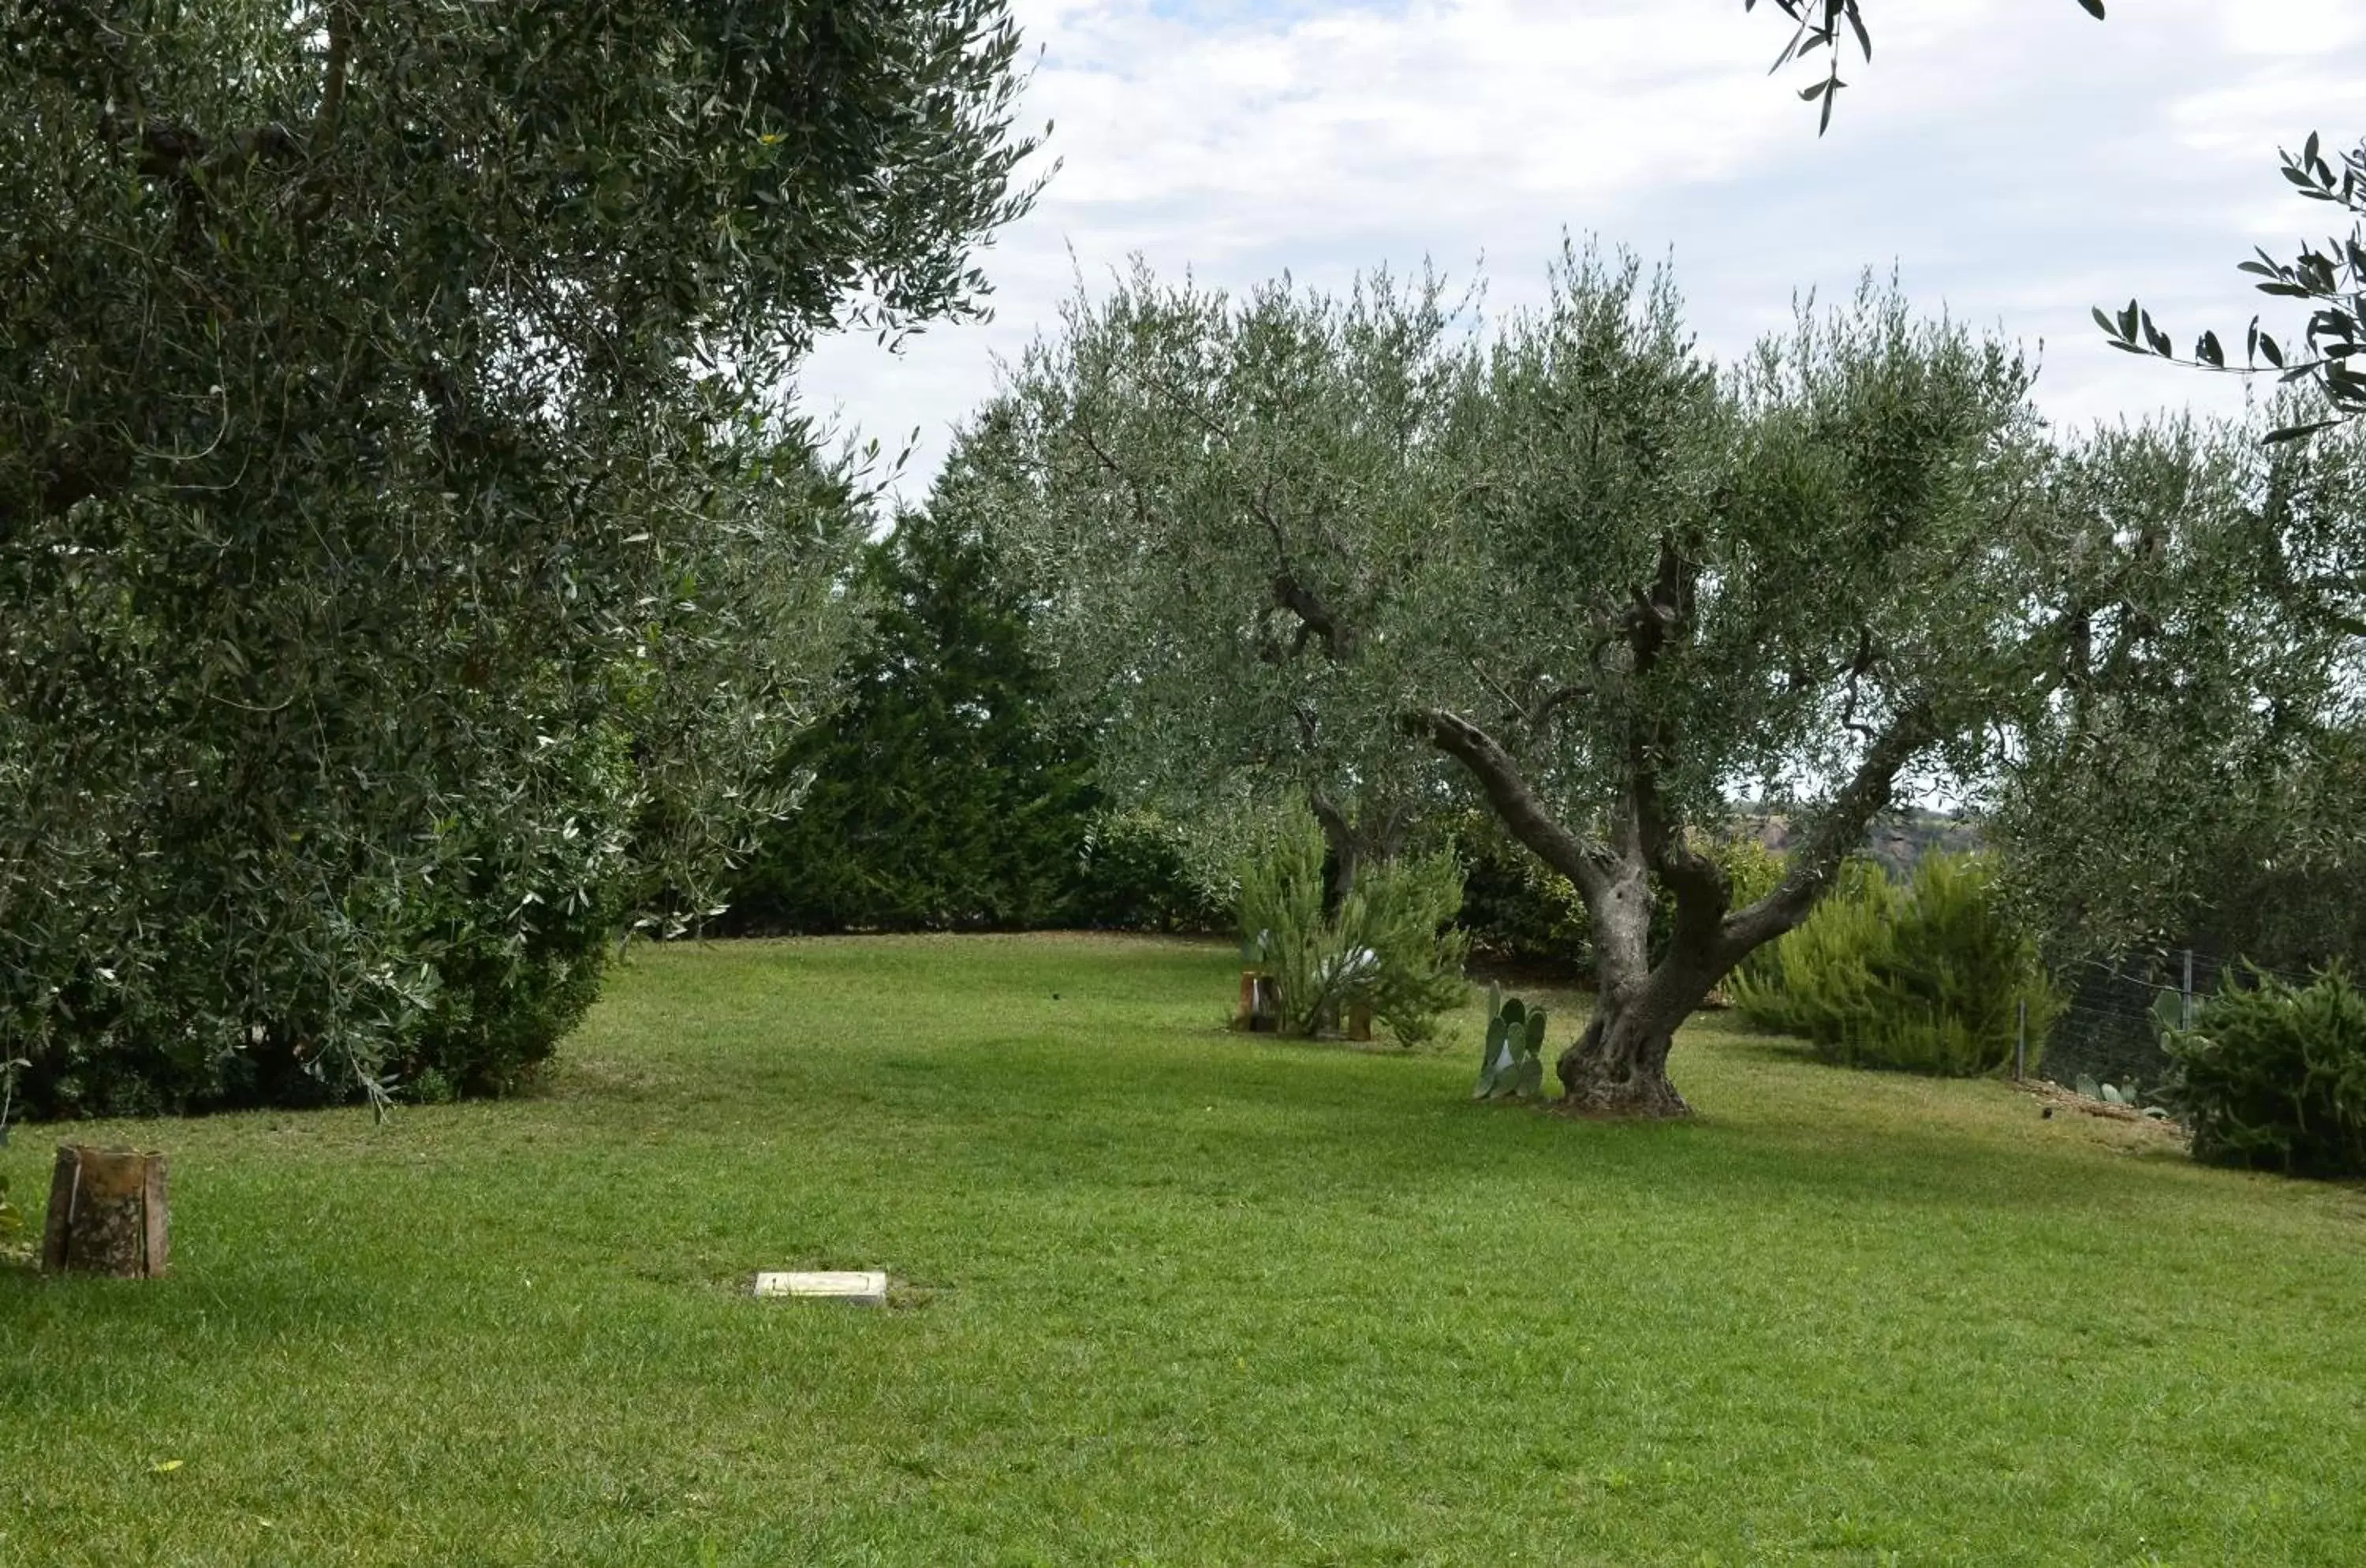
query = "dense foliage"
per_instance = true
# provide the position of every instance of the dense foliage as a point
(950, 790)
(2196, 780)
(1929, 975)
(944, 795)
(2278, 881)
(405, 567)
(1517, 910)
(1141, 872)
(1384, 944)
(2272, 1075)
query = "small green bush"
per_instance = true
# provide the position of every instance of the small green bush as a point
(1382, 947)
(2272, 1075)
(1399, 912)
(487, 1006)
(1925, 977)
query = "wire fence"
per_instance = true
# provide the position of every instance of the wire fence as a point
(2110, 1032)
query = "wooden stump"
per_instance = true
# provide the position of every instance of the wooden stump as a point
(106, 1214)
(1260, 1005)
(1359, 1021)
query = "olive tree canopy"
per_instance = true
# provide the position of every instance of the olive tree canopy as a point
(2198, 780)
(1611, 588)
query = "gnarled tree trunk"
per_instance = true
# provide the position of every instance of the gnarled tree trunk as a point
(1620, 1066)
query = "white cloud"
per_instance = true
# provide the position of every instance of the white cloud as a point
(2016, 163)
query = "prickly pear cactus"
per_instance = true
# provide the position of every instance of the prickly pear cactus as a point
(1513, 1065)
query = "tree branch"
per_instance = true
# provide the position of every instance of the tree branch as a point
(1661, 614)
(1552, 701)
(332, 88)
(1703, 890)
(1837, 830)
(1515, 803)
(1338, 637)
(1662, 611)
(174, 152)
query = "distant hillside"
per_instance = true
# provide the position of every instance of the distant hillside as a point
(1897, 839)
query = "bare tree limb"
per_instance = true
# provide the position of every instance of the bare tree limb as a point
(1339, 639)
(1560, 697)
(333, 87)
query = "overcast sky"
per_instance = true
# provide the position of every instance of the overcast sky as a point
(2015, 161)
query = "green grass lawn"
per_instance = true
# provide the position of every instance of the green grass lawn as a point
(1173, 1295)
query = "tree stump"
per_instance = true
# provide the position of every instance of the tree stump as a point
(106, 1214)
(1359, 1021)
(1260, 1005)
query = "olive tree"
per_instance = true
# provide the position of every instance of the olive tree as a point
(407, 558)
(1611, 588)
(2196, 780)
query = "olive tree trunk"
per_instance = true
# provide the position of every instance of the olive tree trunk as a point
(1618, 1067)
(1369, 833)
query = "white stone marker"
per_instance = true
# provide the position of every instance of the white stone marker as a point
(863, 1287)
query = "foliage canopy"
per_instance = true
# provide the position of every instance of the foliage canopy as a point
(1342, 540)
(406, 564)
(2196, 781)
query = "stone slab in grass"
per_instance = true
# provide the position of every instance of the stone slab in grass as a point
(862, 1287)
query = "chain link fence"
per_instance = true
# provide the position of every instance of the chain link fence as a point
(2111, 1032)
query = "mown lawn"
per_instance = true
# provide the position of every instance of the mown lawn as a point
(1171, 1295)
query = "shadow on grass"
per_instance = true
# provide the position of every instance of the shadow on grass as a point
(1784, 1050)
(1278, 1111)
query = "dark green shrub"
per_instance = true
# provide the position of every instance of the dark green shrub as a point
(950, 793)
(1925, 977)
(944, 795)
(483, 1004)
(1133, 872)
(2272, 1075)
(1515, 909)
(505, 1000)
